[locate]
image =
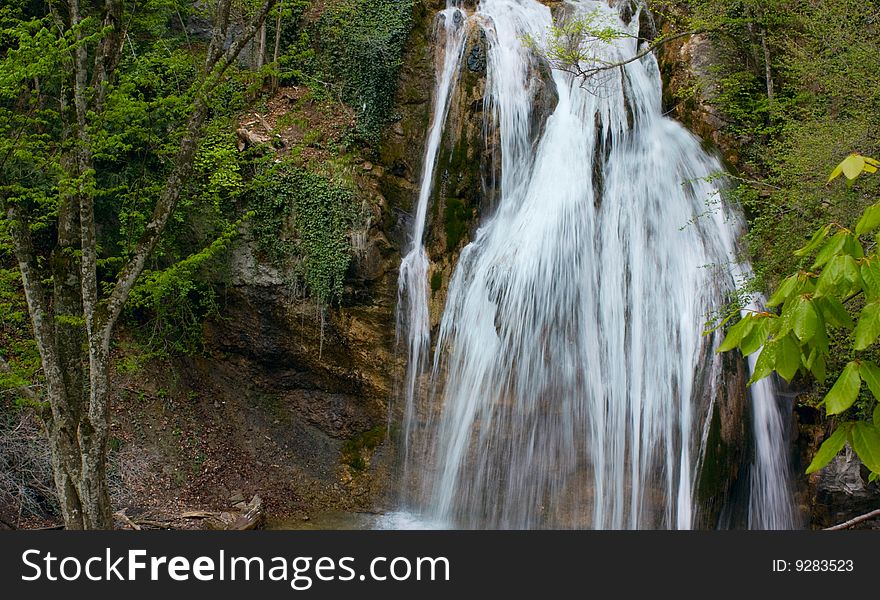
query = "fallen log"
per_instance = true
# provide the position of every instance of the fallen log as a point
(199, 514)
(251, 518)
(248, 138)
(860, 519)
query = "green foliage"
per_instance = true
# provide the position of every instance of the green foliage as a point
(365, 40)
(355, 449)
(821, 56)
(839, 292)
(218, 162)
(354, 50)
(321, 212)
(173, 303)
(570, 41)
(133, 141)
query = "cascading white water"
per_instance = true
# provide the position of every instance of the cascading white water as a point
(571, 383)
(412, 311)
(770, 502)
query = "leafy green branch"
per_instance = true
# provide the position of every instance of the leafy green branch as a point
(840, 291)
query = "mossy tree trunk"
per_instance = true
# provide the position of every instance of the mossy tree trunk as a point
(73, 326)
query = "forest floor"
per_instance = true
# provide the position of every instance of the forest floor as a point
(201, 437)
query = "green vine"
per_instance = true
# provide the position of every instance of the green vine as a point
(320, 213)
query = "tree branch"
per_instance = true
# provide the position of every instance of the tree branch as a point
(855, 521)
(217, 62)
(109, 52)
(41, 318)
(218, 36)
(586, 74)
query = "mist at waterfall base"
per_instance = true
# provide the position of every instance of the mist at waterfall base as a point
(571, 384)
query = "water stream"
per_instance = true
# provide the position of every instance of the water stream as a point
(571, 383)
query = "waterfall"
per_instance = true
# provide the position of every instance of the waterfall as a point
(412, 311)
(571, 383)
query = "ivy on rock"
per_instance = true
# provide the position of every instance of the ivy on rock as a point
(321, 212)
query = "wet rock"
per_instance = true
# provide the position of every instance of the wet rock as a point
(476, 60)
(690, 85)
(842, 490)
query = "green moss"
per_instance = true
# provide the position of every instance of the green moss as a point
(456, 221)
(354, 449)
(436, 281)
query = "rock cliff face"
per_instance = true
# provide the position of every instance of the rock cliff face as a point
(328, 375)
(332, 373)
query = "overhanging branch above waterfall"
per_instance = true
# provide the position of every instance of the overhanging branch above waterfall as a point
(586, 73)
(589, 43)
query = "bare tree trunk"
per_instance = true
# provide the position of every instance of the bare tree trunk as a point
(277, 50)
(261, 47)
(767, 71)
(62, 422)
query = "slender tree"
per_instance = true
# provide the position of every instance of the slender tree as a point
(73, 316)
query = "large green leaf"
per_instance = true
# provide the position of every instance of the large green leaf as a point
(820, 341)
(844, 391)
(851, 167)
(805, 321)
(735, 334)
(816, 364)
(868, 327)
(831, 249)
(866, 443)
(870, 374)
(784, 291)
(830, 448)
(788, 357)
(818, 237)
(757, 335)
(851, 274)
(870, 272)
(853, 247)
(765, 364)
(870, 220)
(833, 312)
(839, 276)
(831, 276)
(877, 415)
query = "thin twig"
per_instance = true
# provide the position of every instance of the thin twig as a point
(854, 521)
(592, 71)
